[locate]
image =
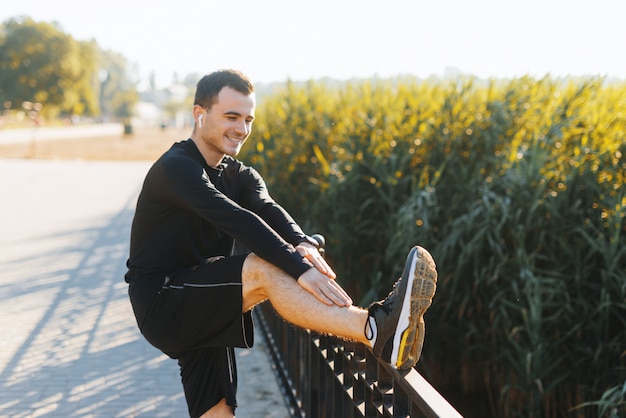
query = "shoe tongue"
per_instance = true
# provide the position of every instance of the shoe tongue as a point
(385, 305)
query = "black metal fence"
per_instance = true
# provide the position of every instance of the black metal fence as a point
(324, 377)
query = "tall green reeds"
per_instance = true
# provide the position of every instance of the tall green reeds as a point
(516, 187)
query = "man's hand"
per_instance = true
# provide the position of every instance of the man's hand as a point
(310, 253)
(325, 289)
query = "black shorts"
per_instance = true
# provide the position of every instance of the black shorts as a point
(196, 318)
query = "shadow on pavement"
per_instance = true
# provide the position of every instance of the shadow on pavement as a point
(72, 347)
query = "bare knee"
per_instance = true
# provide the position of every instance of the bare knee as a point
(257, 276)
(221, 410)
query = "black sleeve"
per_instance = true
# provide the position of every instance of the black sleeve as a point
(192, 189)
(256, 197)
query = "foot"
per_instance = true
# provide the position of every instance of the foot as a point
(400, 316)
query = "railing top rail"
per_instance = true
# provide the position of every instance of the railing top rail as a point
(431, 402)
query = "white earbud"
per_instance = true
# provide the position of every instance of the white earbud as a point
(200, 121)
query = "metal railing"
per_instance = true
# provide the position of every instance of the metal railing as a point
(324, 377)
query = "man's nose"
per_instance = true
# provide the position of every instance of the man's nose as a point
(244, 128)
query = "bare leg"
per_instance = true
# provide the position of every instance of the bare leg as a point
(221, 410)
(262, 280)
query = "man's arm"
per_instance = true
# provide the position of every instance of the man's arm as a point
(257, 197)
(186, 185)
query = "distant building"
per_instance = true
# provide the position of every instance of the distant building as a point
(164, 107)
(147, 114)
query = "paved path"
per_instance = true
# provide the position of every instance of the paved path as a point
(69, 346)
(9, 136)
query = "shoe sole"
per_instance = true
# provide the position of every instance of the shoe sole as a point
(421, 274)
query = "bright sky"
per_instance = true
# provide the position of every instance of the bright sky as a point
(272, 40)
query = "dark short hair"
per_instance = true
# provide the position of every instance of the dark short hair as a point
(210, 86)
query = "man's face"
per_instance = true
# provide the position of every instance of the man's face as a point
(229, 122)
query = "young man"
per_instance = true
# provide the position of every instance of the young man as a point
(192, 293)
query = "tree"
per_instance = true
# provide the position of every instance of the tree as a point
(40, 63)
(88, 86)
(118, 92)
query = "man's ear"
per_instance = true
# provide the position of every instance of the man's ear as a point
(198, 114)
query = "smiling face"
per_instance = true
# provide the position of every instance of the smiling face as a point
(225, 127)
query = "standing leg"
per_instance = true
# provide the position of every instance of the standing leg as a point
(221, 410)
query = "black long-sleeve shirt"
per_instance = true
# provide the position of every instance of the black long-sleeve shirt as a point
(188, 211)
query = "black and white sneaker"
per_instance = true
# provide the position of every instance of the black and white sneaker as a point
(399, 318)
